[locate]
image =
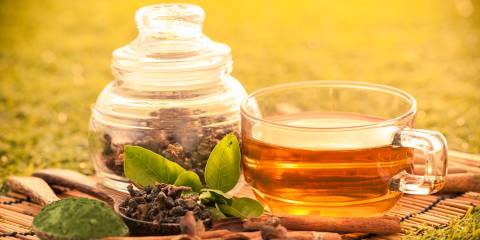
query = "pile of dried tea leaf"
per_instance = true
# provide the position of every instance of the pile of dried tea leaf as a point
(162, 203)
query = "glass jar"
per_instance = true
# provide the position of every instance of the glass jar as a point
(172, 93)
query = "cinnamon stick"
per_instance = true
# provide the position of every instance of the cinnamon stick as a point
(305, 235)
(379, 225)
(147, 237)
(462, 182)
(230, 224)
(225, 234)
(291, 235)
(188, 225)
(214, 234)
(74, 180)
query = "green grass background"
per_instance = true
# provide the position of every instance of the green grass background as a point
(55, 59)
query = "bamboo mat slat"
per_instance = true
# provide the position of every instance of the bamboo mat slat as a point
(16, 211)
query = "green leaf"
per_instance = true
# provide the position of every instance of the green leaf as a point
(216, 213)
(205, 195)
(189, 179)
(207, 198)
(223, 166)
(248, 207)
(212, 195)
(220, 199)
(218, 192)
(242, 208)
(230, 211)
(145, 168)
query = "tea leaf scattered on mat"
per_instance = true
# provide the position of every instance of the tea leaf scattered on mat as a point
(145, 167)
(79, 218)
(189, 179)
(223, 166)
(467, 227)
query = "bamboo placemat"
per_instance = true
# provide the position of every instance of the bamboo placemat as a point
(17, 211)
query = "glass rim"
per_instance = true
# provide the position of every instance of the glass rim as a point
(333, 83)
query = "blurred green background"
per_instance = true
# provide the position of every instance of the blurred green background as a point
(55, 59)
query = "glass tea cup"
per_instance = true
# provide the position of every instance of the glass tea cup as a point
(336, 148)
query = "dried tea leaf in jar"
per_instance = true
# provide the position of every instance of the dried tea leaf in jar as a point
(172, 94)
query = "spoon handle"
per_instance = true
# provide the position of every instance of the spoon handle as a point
(74, 180)
(35, 188)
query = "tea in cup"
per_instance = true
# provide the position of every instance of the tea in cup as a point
(336, 148)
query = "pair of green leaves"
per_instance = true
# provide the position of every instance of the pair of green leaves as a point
(222, 173)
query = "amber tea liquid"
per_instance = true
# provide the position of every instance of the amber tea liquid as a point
(336, 173)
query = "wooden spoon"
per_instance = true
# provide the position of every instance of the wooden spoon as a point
(35, 188)
(85, 184)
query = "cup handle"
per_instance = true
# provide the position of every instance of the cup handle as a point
(434, 148)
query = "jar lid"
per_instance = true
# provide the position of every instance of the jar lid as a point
(170, 40)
